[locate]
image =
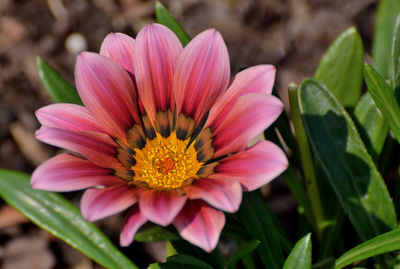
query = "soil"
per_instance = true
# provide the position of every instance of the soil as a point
(290, 34)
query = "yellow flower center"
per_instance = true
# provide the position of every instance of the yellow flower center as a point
(166, 163)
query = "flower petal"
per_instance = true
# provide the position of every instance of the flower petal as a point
(68, 117)
(66, 172)
(255, 166)
(200, 224)
(161, 207)
(202, 73)
(100, 203)
(98, 148)
(256, 79)
(252, 114)
(107, 91)
(155, 55)
(220, 193)
(119, 47)
(132, 223)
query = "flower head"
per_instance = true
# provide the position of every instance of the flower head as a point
(163, 132)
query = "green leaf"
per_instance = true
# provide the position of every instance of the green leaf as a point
(384, 98)
(181, 261)
(383, 243)
(341, 152)
(386, 15)
(300, 257)
(164, 17)
(244, 251)
(260, 225)
(156, 234)
(396, 55)
(371, 124)
(58, 88)
(213, 258)
(340, 68)
(55, 214)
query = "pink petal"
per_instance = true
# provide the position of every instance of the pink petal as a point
(161, 207)
(98, 148)
(257, 79)
(200, 224)
(252, 114)
(155, 55)
(133, 221)
(107, 91)
(220, 193)
(68, 117)
(255, 166)
(66, 172)
(100, 203)
(119, 47)
(201, 74)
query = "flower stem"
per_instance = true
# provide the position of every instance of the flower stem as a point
(306, 161)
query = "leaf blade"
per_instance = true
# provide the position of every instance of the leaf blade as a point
(340, 68)
(165, 18)
(383, 243)
(58, 88)
(351, 171)
(384, 98)
(55, 214)
(300, 256)
(244, 251)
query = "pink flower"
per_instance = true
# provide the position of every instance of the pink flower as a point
(162, 133)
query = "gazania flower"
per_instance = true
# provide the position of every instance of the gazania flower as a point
(163, 133)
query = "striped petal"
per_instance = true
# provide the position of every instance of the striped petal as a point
(252, 114)
(66, 172)
(100, 203)
(200, 224)
(98, 148)
(223, 194)
(161, 207)
(202, 74)
(257, 79)
(255, 166)
(155, 55)
(107, 91)
(68, 117)
(133, 221)
(119, 47)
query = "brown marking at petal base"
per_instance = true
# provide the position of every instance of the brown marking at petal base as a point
(207, 170)
(126, 157)
(124, 174)
(148, 128)
(203, 145)
(184, 127)
(164, 122)
(136, 137)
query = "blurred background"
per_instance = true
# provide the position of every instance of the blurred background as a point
(290, 34)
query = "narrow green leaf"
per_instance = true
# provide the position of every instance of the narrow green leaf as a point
(155, 234)
(244, 251)
(300, 257)
(58, 88)
(340, 68)
(396, 55)
(259, 223)
(55, 214)
(164, 17)
(371, 124)
(181, 261)
(386, 15)
(351, 171)
(384, 98)
(383, 243)
(213, 258)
